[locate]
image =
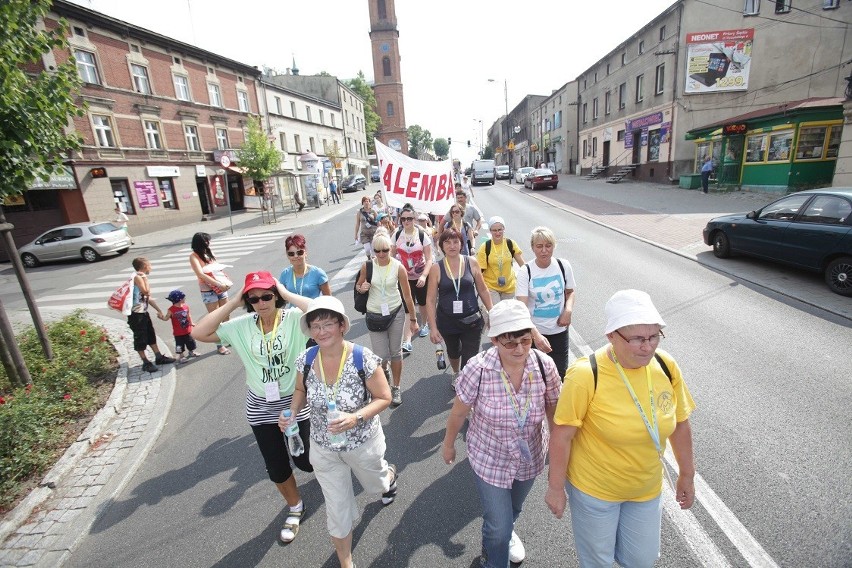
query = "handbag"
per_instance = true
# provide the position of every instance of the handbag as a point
(378, 322)
(362, 297)
(121, 299)
(473, 320)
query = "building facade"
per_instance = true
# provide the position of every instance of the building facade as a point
(384, 37)
(554, 129)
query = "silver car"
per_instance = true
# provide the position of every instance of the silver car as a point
(88, 241)
(522, 173)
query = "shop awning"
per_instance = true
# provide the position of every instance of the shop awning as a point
(237, 169)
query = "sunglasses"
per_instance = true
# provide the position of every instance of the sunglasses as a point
(381, 250)
(511, 345)
(255, 299)
(454, 211)
(299, 252)
(403, 219)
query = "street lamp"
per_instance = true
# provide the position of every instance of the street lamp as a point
(506, 121)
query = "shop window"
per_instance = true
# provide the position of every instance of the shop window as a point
(780, 145)
(654, 145)
(103, 131)
(751, 7)
(140, 79)
(215, 94)
(811, 144)
(153, 137)
(827, 209)
(833, 142)
(167, 193)
(87, 67)
(755, 148)
(783, 6)
(181, 87)
(121, 196)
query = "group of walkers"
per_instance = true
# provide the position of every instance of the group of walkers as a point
(315, 397)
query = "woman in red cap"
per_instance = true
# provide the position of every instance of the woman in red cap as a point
(268, 339)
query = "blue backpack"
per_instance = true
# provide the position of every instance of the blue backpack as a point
(357, 358)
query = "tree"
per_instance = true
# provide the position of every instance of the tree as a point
(35, 107)
(258, 156)
(442, 147)
(488, 153)
(334, 154)
(372, 120)
(419, 140)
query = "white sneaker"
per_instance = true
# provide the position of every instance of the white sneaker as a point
(517, 552)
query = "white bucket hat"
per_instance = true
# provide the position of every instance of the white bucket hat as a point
(630, 307)
(324, 303)
(507, 316)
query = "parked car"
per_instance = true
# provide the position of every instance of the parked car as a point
(809, 229)
(374, 173)
(353, 182)
(522, 173)
(502, 172)
(89, 241)
(482, 172)
(541, 177)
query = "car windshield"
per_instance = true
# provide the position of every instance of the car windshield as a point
(543, 172)
(525, 170)
(347, 179)
(503, 168)
(102, 228)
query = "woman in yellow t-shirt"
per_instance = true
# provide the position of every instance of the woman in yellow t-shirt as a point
(496, 258)
(615, 413)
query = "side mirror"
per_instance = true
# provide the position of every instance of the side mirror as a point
(751, 215)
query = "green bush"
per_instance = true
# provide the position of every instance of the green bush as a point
(38, 422)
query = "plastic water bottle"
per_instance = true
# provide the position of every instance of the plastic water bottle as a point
(439, 358)
(335, 440)
(294, 441)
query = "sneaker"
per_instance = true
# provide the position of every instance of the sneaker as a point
(424, 331)
(407, 347)
(517, 552)
(396, 397)
(389, 495)
(163, 359)
(149, 367)
(193, 354)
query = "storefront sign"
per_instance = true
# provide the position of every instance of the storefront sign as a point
(64, 179)
(163, 171)
(643, 122)
(718, 61)
(146, 193)
(734, 129)
(665, 132)
(97, 173)
(217, 190)
(217, 155)
(200, 171)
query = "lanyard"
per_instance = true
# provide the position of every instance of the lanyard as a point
(339, 373)
(521, 417)
(302, 286)
(383, 280)
(653, 430)
(413, 239)
(503, 249)
(272, 337)
(456, 282)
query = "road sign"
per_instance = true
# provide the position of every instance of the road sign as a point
(511, 146)
(225, 161)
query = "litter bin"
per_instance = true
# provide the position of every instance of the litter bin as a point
(690, 181)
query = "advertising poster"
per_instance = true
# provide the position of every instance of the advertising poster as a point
(146, 193)
(217, 190)
(718, 61)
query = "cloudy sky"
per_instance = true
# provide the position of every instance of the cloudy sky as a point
(449, 48)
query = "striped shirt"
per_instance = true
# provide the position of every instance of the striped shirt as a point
(258, 411)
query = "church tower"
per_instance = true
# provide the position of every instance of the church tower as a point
(384, 38)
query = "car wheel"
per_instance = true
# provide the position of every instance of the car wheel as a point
(838, 275)
(553, 186)
(721, 245)
(29, 260)
(89, 254)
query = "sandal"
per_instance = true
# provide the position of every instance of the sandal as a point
(224, 350)
(292, 525)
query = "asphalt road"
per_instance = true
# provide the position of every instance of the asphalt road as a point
(770, 378)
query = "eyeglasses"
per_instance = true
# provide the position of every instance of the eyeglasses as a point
(404, 219)
(255, 299)
(381, 250)
(299, 252)
(639, 341)
(513, 344)
(321, 327)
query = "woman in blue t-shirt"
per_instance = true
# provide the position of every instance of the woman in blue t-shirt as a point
(300, 277)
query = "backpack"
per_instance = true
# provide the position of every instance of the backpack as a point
(561, 268)
(357, 358)
(511, 252)
(361, 297)
(399, 231)
(540, 369)
(593, 362)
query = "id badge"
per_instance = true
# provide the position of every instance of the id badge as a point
(410, 262)
(458, 306)
(272, 392)
(501, 280)
(385, 310)
(526, 455)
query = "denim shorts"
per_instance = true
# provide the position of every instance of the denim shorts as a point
(211, 297)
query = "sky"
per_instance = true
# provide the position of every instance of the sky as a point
(449, 49)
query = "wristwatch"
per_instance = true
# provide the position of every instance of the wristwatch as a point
(359, 419)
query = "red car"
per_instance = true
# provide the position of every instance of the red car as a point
(541, 177)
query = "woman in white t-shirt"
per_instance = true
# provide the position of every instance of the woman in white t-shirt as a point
(412, 246)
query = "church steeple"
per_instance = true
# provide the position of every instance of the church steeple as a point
(387, 88)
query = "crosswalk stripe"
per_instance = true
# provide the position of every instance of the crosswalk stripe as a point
(103, 295)
(118, 282)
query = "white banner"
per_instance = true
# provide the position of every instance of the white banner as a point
(428, 186)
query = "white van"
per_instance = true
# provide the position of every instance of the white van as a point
(482, 171)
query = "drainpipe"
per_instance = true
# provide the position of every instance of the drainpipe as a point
(674, 94)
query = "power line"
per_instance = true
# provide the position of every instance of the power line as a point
(791, 7)
(776, 19)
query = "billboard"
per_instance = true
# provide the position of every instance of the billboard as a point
(718, 61)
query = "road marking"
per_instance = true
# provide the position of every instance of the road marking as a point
(345, 274)
(106, 295)
(693, 533)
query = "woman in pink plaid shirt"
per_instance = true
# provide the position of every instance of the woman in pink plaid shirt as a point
(511, 389)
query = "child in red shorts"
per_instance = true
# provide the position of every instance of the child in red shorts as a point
(181, 325)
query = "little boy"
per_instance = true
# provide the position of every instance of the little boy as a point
(139, 320)
(181, 325)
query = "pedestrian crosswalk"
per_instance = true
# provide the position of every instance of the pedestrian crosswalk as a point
(169, 272)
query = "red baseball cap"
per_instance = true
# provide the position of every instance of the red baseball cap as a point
(263, 280)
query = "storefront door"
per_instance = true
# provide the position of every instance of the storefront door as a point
(203, 195)
(637, 146)
(605, 160)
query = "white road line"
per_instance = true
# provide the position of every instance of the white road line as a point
(579, 342)
(185, 276)
(703, 547)
(93, 295)
(741, 538)
(345, 274)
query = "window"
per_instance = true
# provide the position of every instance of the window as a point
(215, 94)
(121, 196)
(607, 68)
(135, 48)
(298, 142)
(86, 67)
(243, 101)
(622, 95)
(623, 59)
(811, 145)
(830, 4)
(607, 102)
(312, 144)
(332, 120)
(784, 209)
(783, 6)
(585, 113)
(190, 132)
(595, 108)
(278, 105)
(221, 138)
(211, 71)
(833, 145)
(828, 210)
(654, 145)
(386, 68)
(103, 131)
(140, 79)
(325, 147)
(585, 148)
(755, 148)
(662, 33)
(308, 112)
(641, 48)
(639, 96)
(181, 87)
(389, 108)
(176, 60)
(619, 136)
(780, 145)
(594, 147)
(153, 138)
(383, 11)
(596, 77)
(167, 193)
(660, 79)
(78, 31)
(751, 7)
(293, 109)
(557, 119)
(321, 117)
(282, 137)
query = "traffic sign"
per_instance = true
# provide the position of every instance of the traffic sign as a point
(225, 161)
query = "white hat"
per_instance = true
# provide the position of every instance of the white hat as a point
(496, 219)
(507, 316)
(324, 303)
(422, 217)
(630, 307)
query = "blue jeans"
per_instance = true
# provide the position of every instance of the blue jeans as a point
(627, 532)
(500, 509)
